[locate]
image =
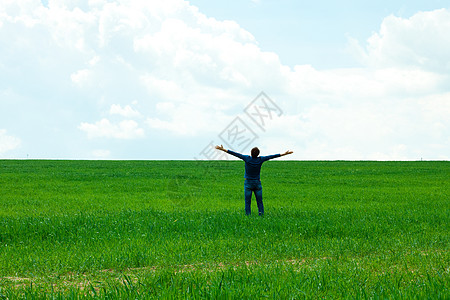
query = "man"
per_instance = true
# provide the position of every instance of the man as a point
(252, 175)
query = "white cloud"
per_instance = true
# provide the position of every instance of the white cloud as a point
(126, 111)
(162, 88)
(127, 129)
(81, 77)
(374, 112)
(193, 74)
(188, 120)
(422, 41)
(8, 142)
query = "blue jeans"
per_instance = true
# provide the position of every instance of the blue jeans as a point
(255, 187)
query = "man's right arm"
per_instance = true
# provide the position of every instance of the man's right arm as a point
(221, 148)
(238, 155)
(286, 153)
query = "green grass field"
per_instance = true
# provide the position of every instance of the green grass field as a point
(177, 229)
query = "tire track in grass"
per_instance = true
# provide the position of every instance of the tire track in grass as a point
(92, 283)
(129, 274)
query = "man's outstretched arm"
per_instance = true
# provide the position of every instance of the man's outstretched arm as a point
(221, 148)
(287, 153)
(265, 158)
(238, 155)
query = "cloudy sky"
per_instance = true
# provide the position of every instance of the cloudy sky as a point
(147, 79)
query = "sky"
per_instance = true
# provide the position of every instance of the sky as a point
(147, 79)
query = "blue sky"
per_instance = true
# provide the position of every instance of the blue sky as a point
(312, 32)
(135, 79)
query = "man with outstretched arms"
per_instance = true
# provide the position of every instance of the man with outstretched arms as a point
(252, 182)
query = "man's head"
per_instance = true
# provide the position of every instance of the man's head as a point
(255, 152)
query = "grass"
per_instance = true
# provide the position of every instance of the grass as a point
(177, 229)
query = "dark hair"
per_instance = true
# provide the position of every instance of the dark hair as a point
(255, 152)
